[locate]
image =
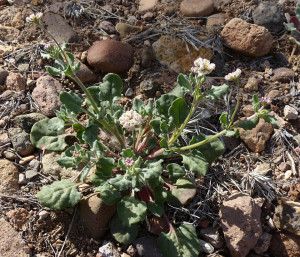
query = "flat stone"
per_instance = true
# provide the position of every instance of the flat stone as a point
(59, 28)
(206, 247)
(269, 15)
(290, 113)
(283, 74)
(46, 94)
(110, 56)
(246, 38)
(240, 221)
(9, 177)
(15, 82)
(31, 174)
(257, 137)
(171, 51)
(146, 5)
(11, 244)
(95, 215)
(196, 8)
(274, 93)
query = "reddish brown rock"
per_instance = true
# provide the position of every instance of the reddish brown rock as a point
(9, 177)
(110, 56)
(246, 38)
(15, 82)
(18, 218)
(257, 137)
(86, 75)
(46, 94)
(196, 8)
(240, 221)
(283, 74)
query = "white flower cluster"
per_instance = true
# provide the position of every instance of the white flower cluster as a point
(203, 67)
(233, 75)
(34, 17)
(130, 119)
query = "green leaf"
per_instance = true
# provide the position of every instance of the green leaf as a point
(195, 162)
(175, 171)
(71, 57)
(216, 92)
(177, 91)
(90, 135)
(59, 195)
(183, 82)
(152, 170)
(179, 111)
(211, 150)
(72, 101)
(85, 172)
(131, 210)
(255, 103)
(230, 133)
(163, 104)
(223, 119)
(183, 191)
(98, 148)
(49, 134)
(123, 234)
(138, 105)
(120, 182)
(249, 124)
(111, 88)
(105, 166)
(155, 124)
(67, 162)
(271, 119)
(108, 194)
(181, 242)
(53, 71)
(156, 209)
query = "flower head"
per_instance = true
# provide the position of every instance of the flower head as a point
(35, 18)
(129, 162)
(233, 76)
(75, 154)
(130, 119)
(266, 100)
(47, 46)
(203, 66)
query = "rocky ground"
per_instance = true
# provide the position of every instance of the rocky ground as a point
(148, 42)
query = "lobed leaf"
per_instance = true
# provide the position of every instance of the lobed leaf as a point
(72, 101)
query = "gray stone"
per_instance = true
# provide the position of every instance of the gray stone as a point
(146, 56)
(108, 249)
(129, 92)
(206, 247)
(149, 87)
(22, 179)
(34, 164)
(26, 121)
(108, 27)
(15, 82)
(147, 247)
(3, 75)
(212, 236)
(290, 113)
(263, 243)
(21, 141)
(240, 221)
(31, 174)
(283, 74)
(196, 8)
(269, 15)
(59, 28)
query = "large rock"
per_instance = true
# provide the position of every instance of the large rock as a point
(269, 15)
(196, 8)
(46, 94)
(110, 56)
(95, 215)
(21, 141)
(85, 74)
(11, 243)
(15, 82)
(172, 51)
(59, 28)
(9, 177)
(249, 39)
(257, 137)
(287, 216)
(240, 221)
(283, 74)
(26, 121)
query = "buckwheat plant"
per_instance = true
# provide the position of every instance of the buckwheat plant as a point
(293, 26)
(132, 171)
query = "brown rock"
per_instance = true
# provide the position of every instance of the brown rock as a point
(252, 85)
(274, 93)
(240, 221)
(287, 216)
(249, 39)
(146, 56)
(8, 34)
(18, 21)
(283, 74)
(284, 244)
(46, 94)
(108, 27)
(85, 74)
(110, 56)
(4, 139)
(196, 8)
(3, 2)
(172, 51)
(11, 243)
(59, 28)
(146, 5)
(18, 218)
(294, 192)
(218, 19)
(95, 215)
(9, 177)
(248, 110)
(126, 29)
(263, 243)
(15, 82)
(257, 137)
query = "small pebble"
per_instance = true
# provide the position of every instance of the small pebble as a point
(22, 179)
(26, 159)
(287, 174)
(129, 92)
(43, 214)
